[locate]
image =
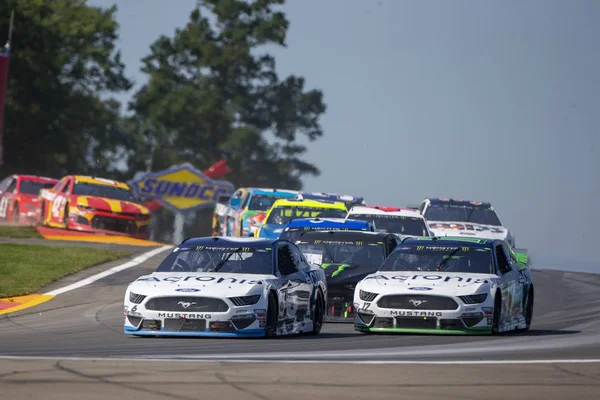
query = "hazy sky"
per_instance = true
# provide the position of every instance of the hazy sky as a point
(494, 101)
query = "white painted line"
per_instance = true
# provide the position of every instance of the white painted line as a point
(383, 362)
(136, 261)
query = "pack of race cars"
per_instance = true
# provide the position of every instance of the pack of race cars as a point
(76, 202)
(283, 262)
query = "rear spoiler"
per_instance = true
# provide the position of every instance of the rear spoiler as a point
(522, 256)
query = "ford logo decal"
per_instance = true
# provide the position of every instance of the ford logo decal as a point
(187, 290)
(420, 288)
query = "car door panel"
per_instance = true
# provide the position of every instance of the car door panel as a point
(509, 280)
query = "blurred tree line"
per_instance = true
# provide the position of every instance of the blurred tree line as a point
(212, 92)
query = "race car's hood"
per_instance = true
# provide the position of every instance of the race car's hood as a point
(449, 283)
(109, 205)
(199, 283)
(270, 231)
(467, 229)
(343, 274)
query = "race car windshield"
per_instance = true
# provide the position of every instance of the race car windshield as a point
(110, 192)
(440, 259)
(459, 213)
(367, 253)
(411, 226)
(33, 187)
(283, 215)
(262, 203)
(240, 260)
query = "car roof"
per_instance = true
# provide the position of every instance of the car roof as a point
(228, 241)
(326, 222)
(331, 235)
(100, 181)
(35, 178)
(308, 203)
(273, 192)
(365, 210)
(458, 202)
(449, 241)
(331, 196)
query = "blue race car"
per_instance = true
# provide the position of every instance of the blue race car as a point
(296, 227)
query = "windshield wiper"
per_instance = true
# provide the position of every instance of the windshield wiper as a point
(222, 263)
(449, 257)
(470, 213)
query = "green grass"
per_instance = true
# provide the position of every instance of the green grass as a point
(25, 268)
(19, 232)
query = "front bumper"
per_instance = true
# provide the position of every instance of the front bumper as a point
(109, 223)
(246, 321)
(467, 319)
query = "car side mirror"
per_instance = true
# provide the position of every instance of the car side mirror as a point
(235, 202)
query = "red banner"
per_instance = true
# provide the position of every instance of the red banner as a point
(4, 59)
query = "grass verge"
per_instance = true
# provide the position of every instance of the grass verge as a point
(19, 232)
(25, 268)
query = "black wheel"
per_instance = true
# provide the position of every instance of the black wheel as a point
(528, 311)
(318, 314)
(66, 216)
(497, 314)
(271, 325)
(15, 213)
(40, 221)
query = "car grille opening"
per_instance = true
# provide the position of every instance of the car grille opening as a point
(243, 321)
(416, 323)
(383, 322)
(114, 224)
(417, 302)
(184, 325)
(187, 304)
(135, 321)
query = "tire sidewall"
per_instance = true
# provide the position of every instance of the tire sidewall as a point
(271, 324)
(497, 314)
(318, 313)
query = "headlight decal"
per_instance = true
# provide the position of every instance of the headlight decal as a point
(474, 298)
(245, 300)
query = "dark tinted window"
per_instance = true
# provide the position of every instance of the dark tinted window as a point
(110, 192)
(33, 187)
(440, 258)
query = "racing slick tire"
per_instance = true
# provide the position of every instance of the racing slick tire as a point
(15, 214)
(318, 314)
(528, 311)
(40, 221)
(497, 314)
(66, 216)
(272, 313)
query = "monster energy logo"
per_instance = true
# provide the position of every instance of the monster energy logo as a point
(340, 268)
(198, 248)
(246, 249)
(359, 243)
(420, 247)
(318, 241)
(465, 248)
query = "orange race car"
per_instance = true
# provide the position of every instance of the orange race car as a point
(93, 204)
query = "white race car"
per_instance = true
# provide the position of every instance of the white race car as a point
(452, 217)
(401, 221)
(228, 286)
(446, 285)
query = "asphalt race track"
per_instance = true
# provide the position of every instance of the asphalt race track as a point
(77, 340)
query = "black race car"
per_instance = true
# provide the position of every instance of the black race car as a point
(347, 257)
